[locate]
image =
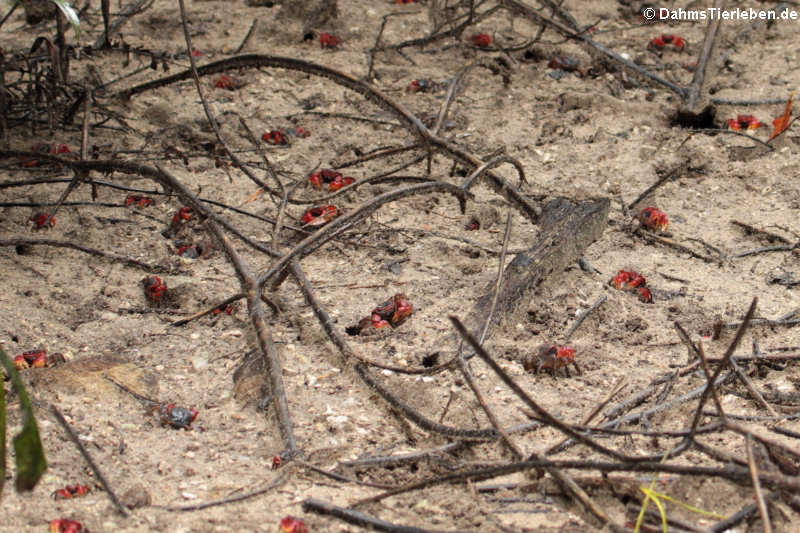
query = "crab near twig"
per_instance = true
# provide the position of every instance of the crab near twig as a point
(392, 312)
(169, 413)
(552, 357)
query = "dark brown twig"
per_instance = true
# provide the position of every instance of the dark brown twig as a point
(544, 415)
(327, 232)
(88, 458)
(582, 317)
(85, 249)
(269, 353)
(358, 518)
(725, 358)
(246, 37)
(762, 506)
(694, 92)
(279, 480)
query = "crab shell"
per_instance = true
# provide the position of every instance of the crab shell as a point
(653, 218)
(290, 524)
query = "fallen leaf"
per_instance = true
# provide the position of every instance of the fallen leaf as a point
(782, 122)
(253, 196)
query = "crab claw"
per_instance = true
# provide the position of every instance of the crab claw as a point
(402, 309)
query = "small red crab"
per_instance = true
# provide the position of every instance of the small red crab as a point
(631, 280)
(138, 201)
(744, 122)
(188, 251)
(653, 218)
(628, 279)
(275, 137)
(42, 220)
(566, 63)
(418, 86)
(481, 40)
(183, 214)
(31, 359)
(70, 491)
(177, 417)
(65, 525)
(319, 216)
(224, 82)
(552, 357)
(660, 42)
(227, 309)
(154, 289)
(44, 148)
(290, 524)
(326, 40)
(392, 312)
(299, 131)
(334, 180)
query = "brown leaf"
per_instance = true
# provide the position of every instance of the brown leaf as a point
(780, 124)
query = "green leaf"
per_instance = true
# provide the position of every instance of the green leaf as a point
(30, 460)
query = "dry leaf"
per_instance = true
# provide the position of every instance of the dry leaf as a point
(253, 196)
(782, 122)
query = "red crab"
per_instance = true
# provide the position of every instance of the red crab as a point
(631, 280)
(653, 218)
(154, 289)
(276, 462)
(290, 524)
(420, 85)
(628, 279)
(65, 525)
(70, 491)
(42, 221)
(228, 309)
(319, 216)
(183, 214)
(334, 180)
(660, 42)
(481, 40)
(138, 201)
(44, 148)
(224, 82)
(326, 40)
(177, 417)
(567, 63)
(275, 137)
(552, 357)
(31, 359)
(188, 251)
(299, 131)
(744, 122)
(392, 312)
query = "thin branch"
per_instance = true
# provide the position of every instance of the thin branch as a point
(762, 506)
(91, 251)
(88, 458)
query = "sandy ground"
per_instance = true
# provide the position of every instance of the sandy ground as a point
(589, 133)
